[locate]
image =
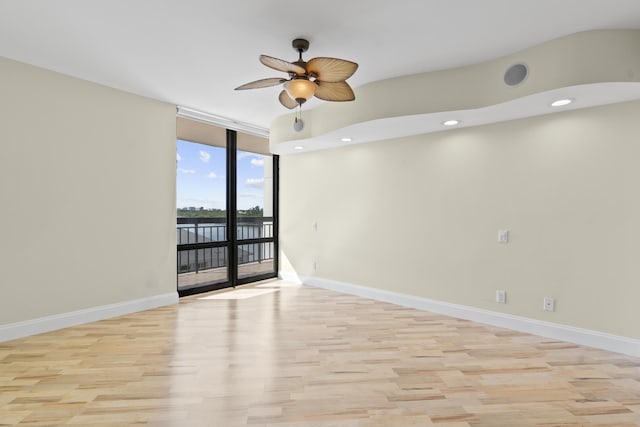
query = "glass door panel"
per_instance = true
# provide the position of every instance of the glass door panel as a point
(255, 214)
(255, 259)
(201, 200)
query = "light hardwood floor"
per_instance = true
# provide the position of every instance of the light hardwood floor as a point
(303, 357)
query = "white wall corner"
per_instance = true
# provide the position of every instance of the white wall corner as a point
(586, 337)
(27, 328)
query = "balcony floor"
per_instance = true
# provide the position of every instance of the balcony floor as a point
(219, 275)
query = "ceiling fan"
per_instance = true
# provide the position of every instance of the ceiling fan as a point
(321, 77)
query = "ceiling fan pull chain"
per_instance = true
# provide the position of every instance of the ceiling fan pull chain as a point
(298, 124)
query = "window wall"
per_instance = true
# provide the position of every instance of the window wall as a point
(226, 198)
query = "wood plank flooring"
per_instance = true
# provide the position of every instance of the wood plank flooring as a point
(305, 357)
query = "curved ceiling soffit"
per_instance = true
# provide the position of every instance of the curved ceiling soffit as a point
(593, 67)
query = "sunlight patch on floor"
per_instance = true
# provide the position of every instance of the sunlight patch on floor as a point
(279, 284)
(240, 294)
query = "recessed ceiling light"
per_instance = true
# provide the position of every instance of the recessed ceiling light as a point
(561, 102)
(451, 122)
(347, 139)
(298, 147)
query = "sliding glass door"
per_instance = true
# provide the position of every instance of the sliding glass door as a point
(255, 214)
(227, 205)
(201, 223)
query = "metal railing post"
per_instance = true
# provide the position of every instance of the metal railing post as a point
(196, 232)
(260, 234)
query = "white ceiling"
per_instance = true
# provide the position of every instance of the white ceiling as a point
(195, 52)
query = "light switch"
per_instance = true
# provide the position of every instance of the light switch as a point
(503, 236)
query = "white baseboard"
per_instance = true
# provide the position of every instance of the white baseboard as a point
(58, 321)
(586, 337)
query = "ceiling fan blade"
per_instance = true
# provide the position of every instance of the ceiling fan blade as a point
(262, 83)
(281, 65)
(286, 100)
(331, 69)
(334, 91)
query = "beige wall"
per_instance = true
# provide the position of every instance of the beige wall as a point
(420, 216)
(87, 182)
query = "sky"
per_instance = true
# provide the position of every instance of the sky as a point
(201, 177)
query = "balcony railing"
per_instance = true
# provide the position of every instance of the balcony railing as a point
(203, 231)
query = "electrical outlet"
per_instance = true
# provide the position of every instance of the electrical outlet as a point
(549, 304)
(501, 296)
(315, 266)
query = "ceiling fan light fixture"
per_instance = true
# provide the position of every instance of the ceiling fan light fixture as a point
(301, 89)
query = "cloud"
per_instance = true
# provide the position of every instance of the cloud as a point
(246, 154)
(257, 162)
(178, 157)
(187, 171)
(212, 175)
(254, 182)
(204, 156)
